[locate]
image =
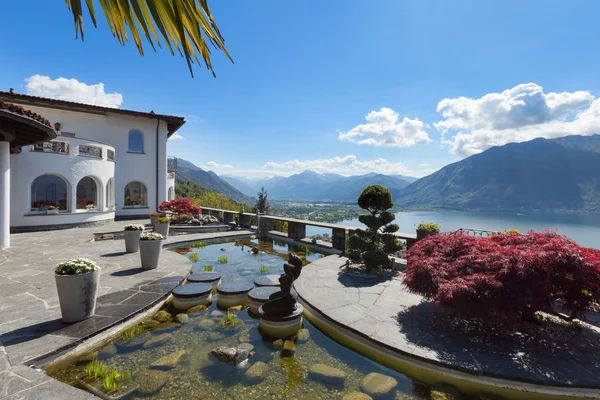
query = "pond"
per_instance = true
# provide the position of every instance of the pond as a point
(186, 370)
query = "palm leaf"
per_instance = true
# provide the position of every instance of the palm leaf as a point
(186, 25)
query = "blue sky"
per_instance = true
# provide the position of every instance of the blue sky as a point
(466, 75)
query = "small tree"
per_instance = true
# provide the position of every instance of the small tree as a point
(262, 204)
(372, 245)
(180, 206)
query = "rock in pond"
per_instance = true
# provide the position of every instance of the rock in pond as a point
(217, 314)
(357, 396)
(205, 324)
(235, 308)
(158, 340)
(163, 316)
(107, 352)
(376, 384)
(241, 355)
(150, 323)
(278, 343)
(197, 309)
(326, 374)
(169, 361)
(224, 354)
(246, 346)
(182, 318)
(151, 381)
(165, 326)
(290, 346)
(216, 336)
(303, 335)
(257, 372)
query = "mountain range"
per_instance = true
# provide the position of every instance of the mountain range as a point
(541, 174)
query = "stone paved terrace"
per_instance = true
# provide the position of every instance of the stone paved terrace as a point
(384, 312)
(30, 318)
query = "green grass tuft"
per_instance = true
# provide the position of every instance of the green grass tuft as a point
(194, 257)
(207, 268)
(222, 260)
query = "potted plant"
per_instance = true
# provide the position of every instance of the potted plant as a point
(150, 248)
(52, 210)
(153, 218)
(132, 237)
(90, 207)
(111, 207)
(77, 285)
(425, 229)
(162, 226)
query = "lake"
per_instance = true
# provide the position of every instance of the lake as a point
(583, 228)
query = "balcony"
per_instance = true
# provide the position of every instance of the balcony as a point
(90, 151)
(54, 146)
(171, 164)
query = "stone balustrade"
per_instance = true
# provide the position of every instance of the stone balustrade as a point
(296, 227)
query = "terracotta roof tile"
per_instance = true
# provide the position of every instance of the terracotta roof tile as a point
(13, 108)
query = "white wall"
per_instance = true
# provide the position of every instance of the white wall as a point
(109, 130)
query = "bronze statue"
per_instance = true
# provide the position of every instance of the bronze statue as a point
(283, 303)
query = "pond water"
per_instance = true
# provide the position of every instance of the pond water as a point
(198, 375)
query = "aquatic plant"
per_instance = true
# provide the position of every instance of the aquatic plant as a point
(112, 378)
(222, 260)
(505, 277)
(198, 244)
(95, 369)
(130, 333)
(207, 268)
(230, 320)
(264, 268)
(228, 240)
(194, 257)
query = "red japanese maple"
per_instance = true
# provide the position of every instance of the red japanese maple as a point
(509, 275)
(180, 206)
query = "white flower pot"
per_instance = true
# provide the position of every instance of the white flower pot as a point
(163, 229)
(132, 241)
(153, 220)
(77, 295)
(150, 253)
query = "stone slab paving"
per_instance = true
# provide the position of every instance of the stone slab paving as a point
(384, 311)
(30, 318)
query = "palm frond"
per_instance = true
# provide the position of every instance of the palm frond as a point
(184, 25)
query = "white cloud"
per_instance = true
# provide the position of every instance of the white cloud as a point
(176, 136)
(525, 112)
(214, 165)
(72, 90)
(383, 129)
(347, 165)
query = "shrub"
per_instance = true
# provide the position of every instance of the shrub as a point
(76, 266)
(134, 227)
(154, 215)
(163, 220)
(429, 227)
(182, 205)
(508, 276)
(151, 236)
(372, 246)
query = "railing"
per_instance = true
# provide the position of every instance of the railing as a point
(171, 164)
(475, 232)
(52, 147)
(110, 155)
(90, 151)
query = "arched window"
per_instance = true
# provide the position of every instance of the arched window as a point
(87, 193)
(136, 141)
(136, 195)
(49, 190)
(110, 195)
(171, 194)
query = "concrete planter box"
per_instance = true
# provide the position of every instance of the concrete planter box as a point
(163, 229)
(150, 253)
(77, 295)
(132, 241)
(153, 220)
(52, 212)
(422, 234)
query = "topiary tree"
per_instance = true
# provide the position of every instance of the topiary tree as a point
(507, 277)
(372, 245)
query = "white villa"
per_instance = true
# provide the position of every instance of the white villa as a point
(103, 163)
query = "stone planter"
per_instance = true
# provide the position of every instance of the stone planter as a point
(422, 234)
(153, 220)
(52, 212)
(132, 241)
(150, 253)
(163, 229)
(77, 295)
